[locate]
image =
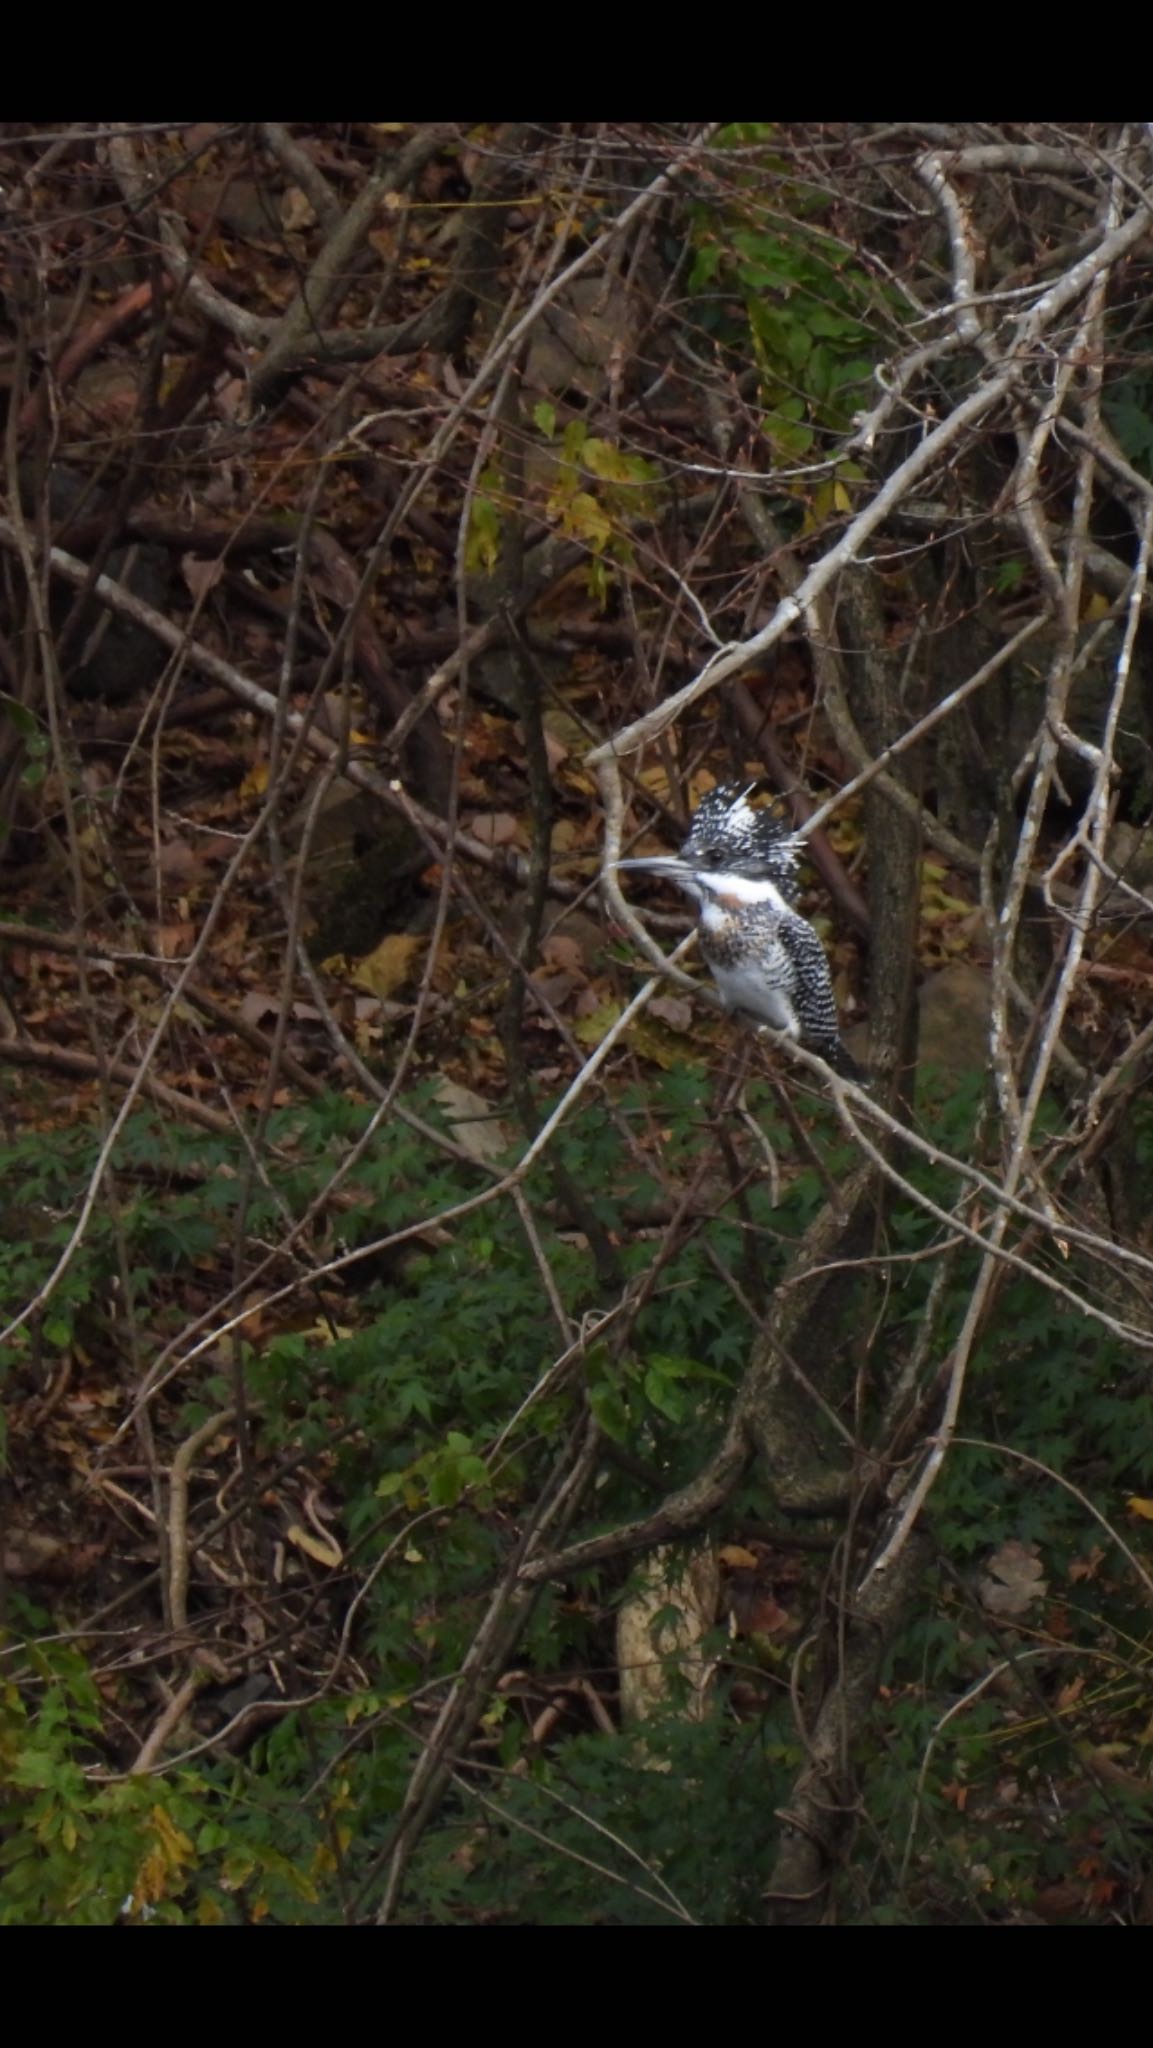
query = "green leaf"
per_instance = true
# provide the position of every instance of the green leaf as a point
(586, 519)
(25, 721)
(610, 1411)
(666, 1397)
(482, 548)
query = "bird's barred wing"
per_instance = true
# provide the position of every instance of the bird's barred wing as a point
(813, 999)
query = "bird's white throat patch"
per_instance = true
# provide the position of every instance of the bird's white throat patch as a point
(736, 892)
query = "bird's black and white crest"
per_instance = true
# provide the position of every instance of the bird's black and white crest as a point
(728, 835)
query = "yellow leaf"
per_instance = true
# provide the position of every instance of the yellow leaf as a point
(656, 781)
(658, 1046)
(256, 781)
(171, 1850)
(384, 970)
(591, 1030)
(1137, 1506)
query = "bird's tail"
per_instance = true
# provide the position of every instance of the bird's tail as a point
(843, 1063)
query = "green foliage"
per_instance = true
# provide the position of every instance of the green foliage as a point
(36, 742)
(75, 1849)
(519, 1850)
(595, 491)
(1074, 1402)
(1128, 407)
(402, 1386)
(1010, 575)
(773, 281)
(485, 523)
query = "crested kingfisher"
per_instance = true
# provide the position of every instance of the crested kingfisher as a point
(740, 868)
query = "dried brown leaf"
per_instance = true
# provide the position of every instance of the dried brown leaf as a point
(675, 1011)
(496, 828)
(200, 575)
(563, 954)
(1013, 1580)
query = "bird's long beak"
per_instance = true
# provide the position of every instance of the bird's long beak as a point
(667, 864)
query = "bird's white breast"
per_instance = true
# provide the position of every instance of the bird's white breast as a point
(747, 987)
